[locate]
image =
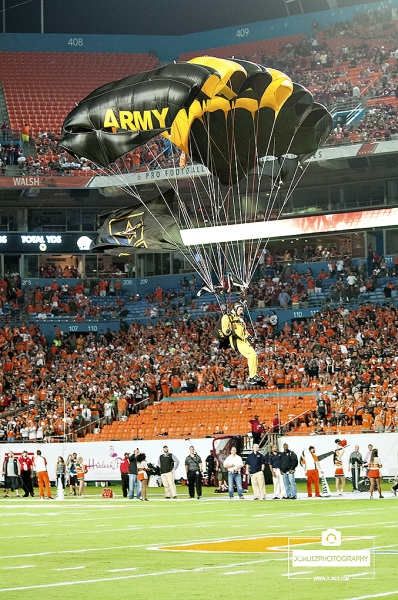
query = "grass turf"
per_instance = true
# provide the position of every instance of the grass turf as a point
(102, 547)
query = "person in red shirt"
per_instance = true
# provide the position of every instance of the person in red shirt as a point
(257, 429)
(124, 470)
(26, 465)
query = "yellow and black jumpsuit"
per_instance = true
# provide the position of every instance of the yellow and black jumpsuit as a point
(238, 340)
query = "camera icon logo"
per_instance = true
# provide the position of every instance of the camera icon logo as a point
(331, 537)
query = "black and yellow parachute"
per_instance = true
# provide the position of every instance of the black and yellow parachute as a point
(240, 120)
(225, 114)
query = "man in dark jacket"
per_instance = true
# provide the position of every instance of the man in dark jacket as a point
(210, 467)
(11, 472)
(289, 463)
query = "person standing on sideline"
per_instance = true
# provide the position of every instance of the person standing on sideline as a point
(257, 429)
(312, 469)
(210, 467)
(134, 484)
(61, 471)
(355, 466)
(40, 466)
(289, 463)
(26, 465)
(72, 473)
(255, 463)
(193, 468)
(81, 470)
(142, 477)
(124, 471)
(374, 472)
(339, 471)
(11, 472)
(274, 461)
(168, 463)
(367, 461)
(234, 464)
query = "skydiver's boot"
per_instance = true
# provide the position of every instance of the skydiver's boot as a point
(255, 380)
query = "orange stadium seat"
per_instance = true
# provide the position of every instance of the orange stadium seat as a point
(38, 93)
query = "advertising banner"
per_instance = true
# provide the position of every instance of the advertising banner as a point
(103, 458)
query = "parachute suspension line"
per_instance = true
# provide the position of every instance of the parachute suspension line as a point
(215, 198)
(127, 187)
(234, 253)
(200, 266)
(275, 189)
(288, 194)
(250, 254)
(217, 204)
(253, 216)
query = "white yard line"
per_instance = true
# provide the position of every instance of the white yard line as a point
(137, 576)
(298, 573)
(21, 567)
(120, 570)
(69, 569)
(236, 572)
(381, 595)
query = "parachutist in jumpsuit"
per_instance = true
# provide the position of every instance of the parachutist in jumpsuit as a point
(233, 325)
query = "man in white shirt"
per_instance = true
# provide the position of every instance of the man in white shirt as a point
(351, 279)
(233, 463)
(40, 466)
(86, 414)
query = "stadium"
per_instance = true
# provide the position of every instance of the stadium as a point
(198, 288)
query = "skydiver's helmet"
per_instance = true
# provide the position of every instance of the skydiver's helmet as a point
(236, 306)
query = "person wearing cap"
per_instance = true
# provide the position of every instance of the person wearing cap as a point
(168, 463)
(26, 466)
(234, 326)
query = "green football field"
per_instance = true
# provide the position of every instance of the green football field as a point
(116, 548)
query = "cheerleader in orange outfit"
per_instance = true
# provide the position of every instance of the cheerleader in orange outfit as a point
(374, 472)
(339, 471)
(80, 470)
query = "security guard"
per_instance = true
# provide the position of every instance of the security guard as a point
(233, 325)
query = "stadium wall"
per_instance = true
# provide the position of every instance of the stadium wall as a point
(170, 47)
(103, 458)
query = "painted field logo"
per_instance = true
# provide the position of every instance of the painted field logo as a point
(257, 545)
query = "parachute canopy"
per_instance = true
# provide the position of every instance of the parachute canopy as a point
(246, 123)
(225, 114)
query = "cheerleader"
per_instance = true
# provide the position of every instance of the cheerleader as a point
(374, 472)
(81, 470)
(339, 471)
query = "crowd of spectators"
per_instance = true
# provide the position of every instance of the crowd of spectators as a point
(51, 159)
(318, 63)
(90, 379)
